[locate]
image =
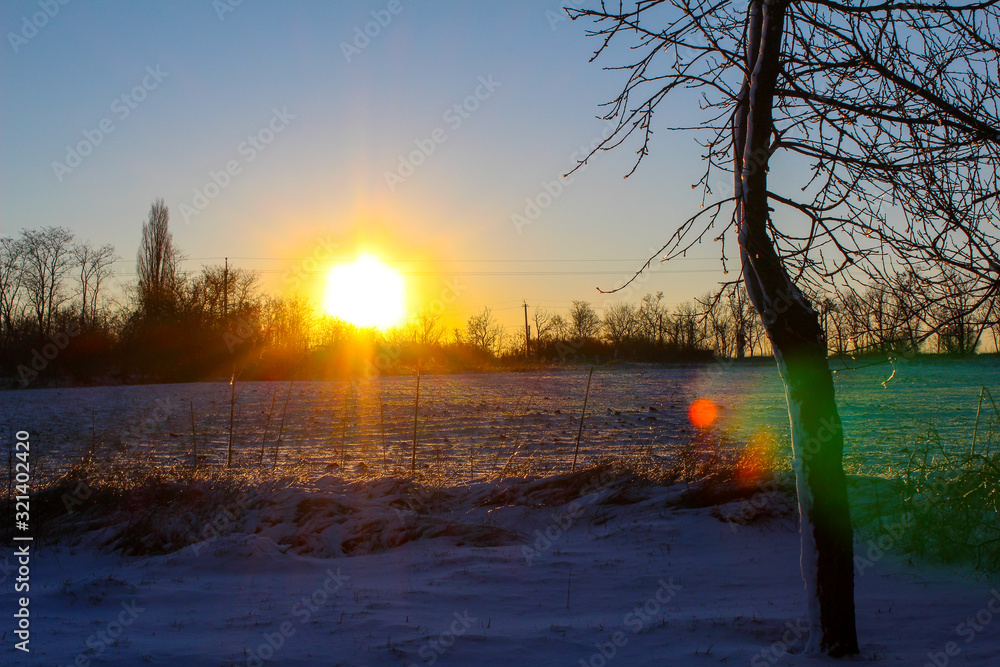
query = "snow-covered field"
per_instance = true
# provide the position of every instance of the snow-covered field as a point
(559, 570)
(569, 571)
(472, 424)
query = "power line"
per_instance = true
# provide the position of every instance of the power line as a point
(441, 261)
(487, 273)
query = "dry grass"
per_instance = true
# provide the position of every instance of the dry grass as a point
(945, 506)
(140, 506)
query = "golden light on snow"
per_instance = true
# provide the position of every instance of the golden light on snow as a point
(366, 293)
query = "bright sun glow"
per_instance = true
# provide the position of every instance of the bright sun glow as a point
(366, 293)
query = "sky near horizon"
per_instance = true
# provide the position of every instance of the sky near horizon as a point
(281, 132)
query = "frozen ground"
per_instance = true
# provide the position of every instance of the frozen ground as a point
(550, 572)
(471, 424)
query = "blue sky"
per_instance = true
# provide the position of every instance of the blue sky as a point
(199, 81)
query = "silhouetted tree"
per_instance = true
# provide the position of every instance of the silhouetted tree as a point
(215, 287)
(11, 284)
(684, 328)
(543, 322)
(892, 106)
(959, 326)
(584, 321)
(427, 328)
(47, 260)
(744, 319)
(484, 333)
(559, 327)
(652, 318)
(94, 267)
(157, 264)
(620, 323)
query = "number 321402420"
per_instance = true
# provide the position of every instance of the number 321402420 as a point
(22, 468)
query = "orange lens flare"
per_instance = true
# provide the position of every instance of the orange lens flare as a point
(757, 458)
(703, 413)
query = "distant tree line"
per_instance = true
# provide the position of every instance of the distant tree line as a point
(58, 319)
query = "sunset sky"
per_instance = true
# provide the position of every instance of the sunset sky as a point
(304, 125)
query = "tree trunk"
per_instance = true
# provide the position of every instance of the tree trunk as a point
(799, 345)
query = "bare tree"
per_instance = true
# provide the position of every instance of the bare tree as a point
(543, 321)
(286, 324)
(93, 267)
(882, 324)
(157, 263)
(685, 328)
(838, 327)
(217, 285)
(559, 327)
(584, 320)
(621, 323)
(907, 303)
(850, 319)
(894, 107)
(11, 283)
(484, 333)
(652, 318)
(718, 324)
(743, 317)
(959, 326)
(48, 259)
(427, 329)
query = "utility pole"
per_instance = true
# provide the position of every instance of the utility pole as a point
(225, 290)
(527, 331)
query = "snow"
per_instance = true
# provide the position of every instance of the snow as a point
(478, 421)
(572, 570)
(809, 557)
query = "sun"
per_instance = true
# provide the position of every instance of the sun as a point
(366, 293)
